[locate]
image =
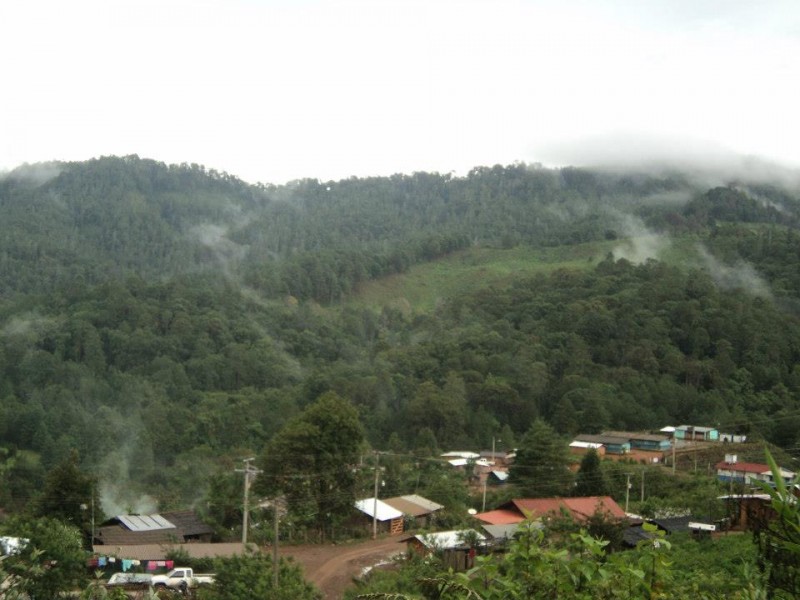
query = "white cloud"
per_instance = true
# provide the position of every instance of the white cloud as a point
(740, 276)
(275, 90)
(640, 243)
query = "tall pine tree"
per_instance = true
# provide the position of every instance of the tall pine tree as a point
(540, 468)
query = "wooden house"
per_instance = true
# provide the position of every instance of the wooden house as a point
(373, 512)
(176, 527)
(452, 546)
(415, 507)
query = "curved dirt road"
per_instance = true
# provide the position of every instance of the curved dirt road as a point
(332, 568)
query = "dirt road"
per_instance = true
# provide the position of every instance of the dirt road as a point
(332, 567)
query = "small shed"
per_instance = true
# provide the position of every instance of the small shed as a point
(748, 512)
(417, 507)
(389, 520)
(455, 551)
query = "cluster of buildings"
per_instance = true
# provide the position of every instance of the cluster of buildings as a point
(137, 538)
(134, 540)
(488, 466)
(649, 447)
(641, 447)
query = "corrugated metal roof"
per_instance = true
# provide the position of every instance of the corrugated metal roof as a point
(501, 475)
(500, 532)
(460, 454)
(633, 535)
(188, 522)
(580, 508)
(423, 502)
(744, 467)
(500, 517)
(145, 522)
(632, 435)
(385, 512)
(745, 497)
(696, 428)
(406, 507)
(446, 540)
(579, 444)
(674, 524)
(501, 454)
(602, 439)
(413, 505)
(119, 535)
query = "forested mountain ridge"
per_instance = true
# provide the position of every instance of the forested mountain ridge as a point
(164, 319)
(116, 216)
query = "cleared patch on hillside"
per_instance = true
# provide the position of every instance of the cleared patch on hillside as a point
(422, 287)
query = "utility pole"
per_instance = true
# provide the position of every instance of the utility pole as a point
(276, 507)
(674, 443)
(375, 501)
(494, 440)
(248, 470)
(627, 489)
(494, 463)
(92, 516)
(643, 470)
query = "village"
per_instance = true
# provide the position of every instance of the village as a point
(144, 545)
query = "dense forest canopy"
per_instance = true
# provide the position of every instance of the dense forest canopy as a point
(165, 321)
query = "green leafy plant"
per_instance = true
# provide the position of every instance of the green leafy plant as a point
(778, 536)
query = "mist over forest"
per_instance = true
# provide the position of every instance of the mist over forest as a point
(165, 321)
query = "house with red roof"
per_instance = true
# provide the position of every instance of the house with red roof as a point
(580, 509)
(731, 469)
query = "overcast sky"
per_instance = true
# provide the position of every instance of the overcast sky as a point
(277, 90)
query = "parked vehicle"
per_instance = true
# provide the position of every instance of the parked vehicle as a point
(182, 578)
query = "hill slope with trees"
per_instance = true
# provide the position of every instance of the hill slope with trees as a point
(165, 321)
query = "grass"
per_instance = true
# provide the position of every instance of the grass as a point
(423, 286)
(420, 289)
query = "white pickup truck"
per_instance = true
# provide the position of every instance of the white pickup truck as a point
(182, 578)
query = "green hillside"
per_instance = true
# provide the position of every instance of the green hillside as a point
(165, 320)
